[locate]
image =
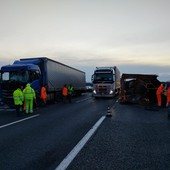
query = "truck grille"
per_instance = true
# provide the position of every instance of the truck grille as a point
(102, 90)
(7, 89)
(7, 97)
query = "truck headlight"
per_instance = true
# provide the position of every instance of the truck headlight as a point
(111, 92)
(94, 91)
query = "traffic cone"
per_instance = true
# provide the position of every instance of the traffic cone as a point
(108, 112)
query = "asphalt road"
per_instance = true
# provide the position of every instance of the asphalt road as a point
(40, 141)
(132, 139)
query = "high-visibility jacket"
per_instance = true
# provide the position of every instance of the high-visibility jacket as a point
(29, 92)
(43, 93)
(70, 90)
(65, 91)
(168, 96)
(160, 90)
(18, 97)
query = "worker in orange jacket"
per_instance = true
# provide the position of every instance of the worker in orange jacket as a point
(43, 95)
(65, 93)
(168, 96)
(159, 93)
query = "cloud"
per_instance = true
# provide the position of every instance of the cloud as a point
(84, 34)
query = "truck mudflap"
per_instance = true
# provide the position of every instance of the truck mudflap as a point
(138, 88)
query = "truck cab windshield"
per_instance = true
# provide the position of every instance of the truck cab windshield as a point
(19, 76)
(103, 77)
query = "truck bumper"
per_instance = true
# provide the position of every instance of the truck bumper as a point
(103, 95)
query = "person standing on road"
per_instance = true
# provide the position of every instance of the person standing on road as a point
(159, 93)
(70, 92)
(65, 93)
(29, 95)
(18, 100)
(168, 96)
(168, 100)
(43, 95)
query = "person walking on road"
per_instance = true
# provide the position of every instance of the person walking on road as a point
(29, 95)
(43, 95)
(18, 100)
(70, 92)
(65, 93)
(159, 93)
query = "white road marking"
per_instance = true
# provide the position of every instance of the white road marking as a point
(69, 158)
(18, 121)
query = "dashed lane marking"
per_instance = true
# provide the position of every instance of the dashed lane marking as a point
(69, 158)
(21, 120)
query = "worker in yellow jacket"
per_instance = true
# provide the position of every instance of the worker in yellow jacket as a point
(18, 100)
(29, 96)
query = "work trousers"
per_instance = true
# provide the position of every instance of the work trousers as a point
(44, 101)
(64, 99)
(159, 99)
(18, 109)
(70, 98)
(167, 101)
(29, 105)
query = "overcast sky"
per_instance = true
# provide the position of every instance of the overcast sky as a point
(134, 35)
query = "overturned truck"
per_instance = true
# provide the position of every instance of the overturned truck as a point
(138, 88)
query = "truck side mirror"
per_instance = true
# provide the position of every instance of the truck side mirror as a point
(92, 78)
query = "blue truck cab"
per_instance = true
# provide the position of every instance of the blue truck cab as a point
(19, 74)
